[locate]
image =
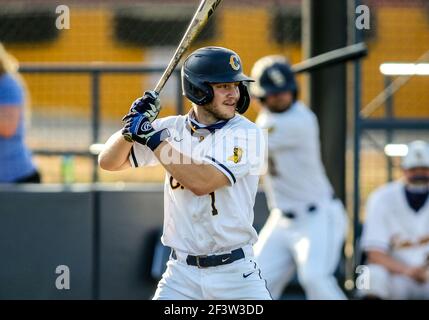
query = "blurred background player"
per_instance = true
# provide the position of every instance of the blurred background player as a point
(396, 232)
(307, 225)
(16, 165)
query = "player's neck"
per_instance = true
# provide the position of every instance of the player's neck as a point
(203, 117)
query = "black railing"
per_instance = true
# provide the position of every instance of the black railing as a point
(96, 70)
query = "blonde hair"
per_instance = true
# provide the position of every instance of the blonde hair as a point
(8, 63)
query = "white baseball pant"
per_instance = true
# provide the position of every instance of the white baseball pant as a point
(310, 244)
(240, 280)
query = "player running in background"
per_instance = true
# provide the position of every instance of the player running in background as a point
(396, 232)
(306, 228)
(212, 160)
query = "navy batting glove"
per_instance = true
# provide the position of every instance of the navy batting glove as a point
(148, 105)
(139, 128)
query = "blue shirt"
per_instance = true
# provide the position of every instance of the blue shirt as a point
(15, 157)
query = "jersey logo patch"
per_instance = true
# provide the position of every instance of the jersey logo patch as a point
(236, 157)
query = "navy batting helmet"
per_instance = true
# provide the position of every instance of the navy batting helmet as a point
(213, 65)
(272, 75)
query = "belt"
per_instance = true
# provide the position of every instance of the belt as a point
(212, 260)
(311, 208)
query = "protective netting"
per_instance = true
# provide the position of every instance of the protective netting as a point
(399, 34)
(145, 32)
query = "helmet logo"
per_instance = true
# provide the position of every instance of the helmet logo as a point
(277, 77)
(234, 62)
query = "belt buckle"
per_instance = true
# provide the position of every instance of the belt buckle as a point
(198, 261)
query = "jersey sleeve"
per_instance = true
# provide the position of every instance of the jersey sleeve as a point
(375, 233)
(11, 92)
(238, 152)
(141, 155)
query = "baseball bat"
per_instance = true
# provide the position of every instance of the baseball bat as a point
(199, 20)
(352, 52)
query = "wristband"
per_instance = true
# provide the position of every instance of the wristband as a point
(156, 139)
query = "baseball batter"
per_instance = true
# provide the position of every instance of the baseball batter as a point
(212, 157)
(396, 232)
(307, 225)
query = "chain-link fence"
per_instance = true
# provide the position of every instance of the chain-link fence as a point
(143, 32)
(395, 104)
(394, 99)
(67, 114)
(147, 32)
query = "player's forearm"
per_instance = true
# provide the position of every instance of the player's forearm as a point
(391, 264)
(114, 156)
(196, 176)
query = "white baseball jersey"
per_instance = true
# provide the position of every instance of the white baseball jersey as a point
(311, 242)
(296, 173)
(221, 221)
(392, 226)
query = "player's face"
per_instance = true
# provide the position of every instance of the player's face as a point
(417, 176)
(279, 102)
(226, 96)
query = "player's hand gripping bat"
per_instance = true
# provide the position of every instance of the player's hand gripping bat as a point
(199, 20)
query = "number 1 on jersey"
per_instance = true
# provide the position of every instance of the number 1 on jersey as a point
(214, 210)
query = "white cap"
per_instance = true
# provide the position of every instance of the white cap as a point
(417, 156)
